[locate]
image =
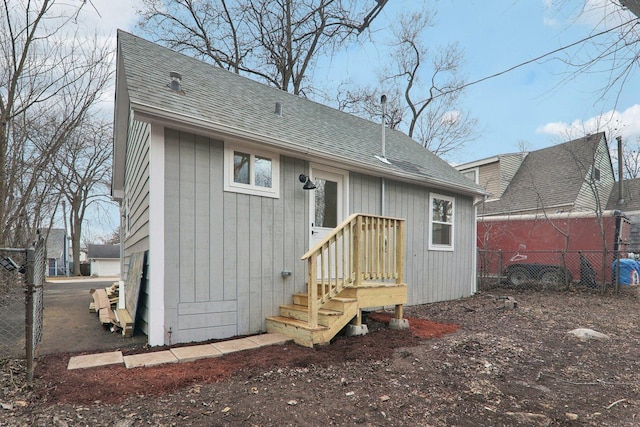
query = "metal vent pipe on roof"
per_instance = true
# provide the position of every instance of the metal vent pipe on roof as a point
(176, 79)
(620, 184)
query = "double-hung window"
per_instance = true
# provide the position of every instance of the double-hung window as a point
(441, 214)
(251, 171)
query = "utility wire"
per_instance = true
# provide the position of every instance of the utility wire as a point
(522, 64)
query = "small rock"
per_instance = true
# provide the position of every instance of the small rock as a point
(226, 409)
(7, 406)
(587, 334)
(350, 393)
(384, 398)
(571, 417)
(510, 303)
(530, 419)
(292, 402)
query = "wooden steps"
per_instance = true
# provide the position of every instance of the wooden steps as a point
(335, 314)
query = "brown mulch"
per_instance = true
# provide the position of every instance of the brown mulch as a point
(469, 362)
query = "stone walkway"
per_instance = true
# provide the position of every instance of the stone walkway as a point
(175, 355)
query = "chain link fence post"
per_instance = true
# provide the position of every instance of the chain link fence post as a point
(29, 291)
(34, 301)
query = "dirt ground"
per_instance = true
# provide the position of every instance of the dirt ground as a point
(469, 362)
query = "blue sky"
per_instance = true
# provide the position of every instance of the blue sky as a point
(534, 104)
(539, 104)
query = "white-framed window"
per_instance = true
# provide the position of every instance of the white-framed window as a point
(441, 222)
(251, 171)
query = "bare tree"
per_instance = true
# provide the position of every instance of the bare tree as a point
(113, 239)
(631, 158)
(614, 44)
(423, 89)
(50, 77)
(83, 168)
(277, 42)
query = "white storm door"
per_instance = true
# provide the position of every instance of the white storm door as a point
(327, 203)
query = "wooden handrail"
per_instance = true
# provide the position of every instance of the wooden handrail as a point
(363, 247)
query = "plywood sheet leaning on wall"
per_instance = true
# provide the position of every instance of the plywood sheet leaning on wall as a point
(127, 316)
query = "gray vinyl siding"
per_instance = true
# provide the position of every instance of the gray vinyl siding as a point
(490, 179)
(136, 189)
(225, 251)
(509, 165)
(593, 192)
(430, 275)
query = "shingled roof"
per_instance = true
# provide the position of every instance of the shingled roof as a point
(231, 105)
(103, 251)
(631, 192)
(551, 177)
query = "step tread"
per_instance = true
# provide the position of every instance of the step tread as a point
(339, 299)
(322, 311)
(297, 323)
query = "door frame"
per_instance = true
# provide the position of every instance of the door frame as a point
(313, 169)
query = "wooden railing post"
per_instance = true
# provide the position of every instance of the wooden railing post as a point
(357, 250)
(400, 252)
(312, 292)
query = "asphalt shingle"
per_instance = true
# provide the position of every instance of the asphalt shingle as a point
(218, 98)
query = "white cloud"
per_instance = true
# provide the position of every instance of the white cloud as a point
(614, 123)
(105, 16)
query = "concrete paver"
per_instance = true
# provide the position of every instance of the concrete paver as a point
(149, 359)
(235, 345)
(178, 354)
(93, 360)
(195, 352)
(269, 339)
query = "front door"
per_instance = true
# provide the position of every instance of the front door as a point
(328, 202)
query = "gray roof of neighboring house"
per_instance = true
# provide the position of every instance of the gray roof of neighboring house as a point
(633, 6)
(551, 176)
(631, 191)
(55, 243)
(229, 104)
(103, 251)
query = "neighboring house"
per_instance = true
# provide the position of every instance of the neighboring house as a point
(209, 168)
(550, 199)
(57, 252)
(104, 260)
(493, 173)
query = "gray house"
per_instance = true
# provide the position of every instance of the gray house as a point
(57, 253)
(225, 184)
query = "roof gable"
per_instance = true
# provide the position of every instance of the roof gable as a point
(235, 106)
(552, 177)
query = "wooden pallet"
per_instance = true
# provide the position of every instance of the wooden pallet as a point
(102, 305)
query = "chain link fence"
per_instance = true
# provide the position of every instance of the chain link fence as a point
(22, 277)
(558, 270)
